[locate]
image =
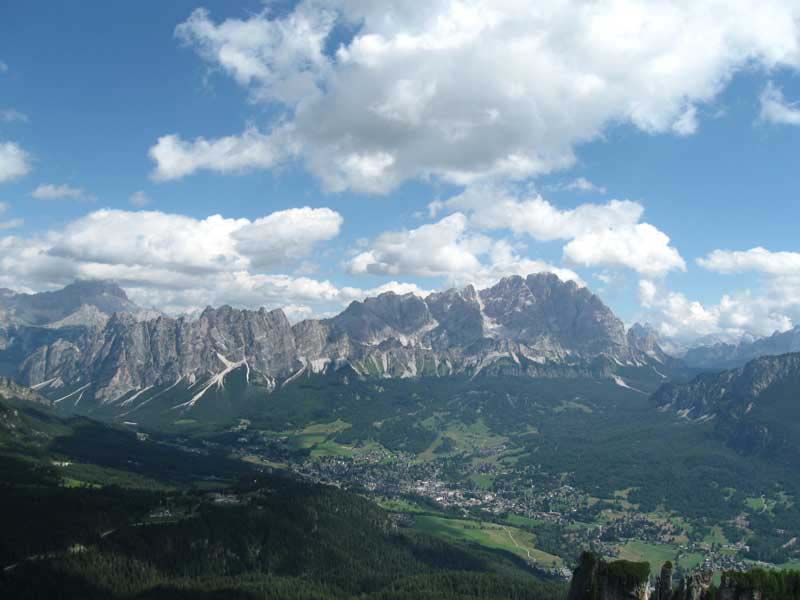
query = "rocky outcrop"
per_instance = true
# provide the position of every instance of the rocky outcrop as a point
(83, 303)
(752, 409)
(736, 391)
(12, 390)
(663, 586)
(644, 339)
(596, 579)
(537, 326)
(695, 586)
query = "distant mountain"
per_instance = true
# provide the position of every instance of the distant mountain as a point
(645, 339)
(755, 407)
(88, 303)
(725, 356)
(537, 326)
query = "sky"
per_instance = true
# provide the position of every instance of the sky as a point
(307, 154)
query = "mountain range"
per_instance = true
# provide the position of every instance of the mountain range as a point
(754, 407)
(88, 346)
(723, 355)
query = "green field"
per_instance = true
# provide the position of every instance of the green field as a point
(655, 554)
(490, 535)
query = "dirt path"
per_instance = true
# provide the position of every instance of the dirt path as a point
(518, 545)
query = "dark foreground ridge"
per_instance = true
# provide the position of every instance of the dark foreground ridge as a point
(596, 579)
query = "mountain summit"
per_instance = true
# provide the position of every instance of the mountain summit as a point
(80, 303)
(537, 326)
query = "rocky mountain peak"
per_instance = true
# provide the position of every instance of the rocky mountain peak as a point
(82, 300)
(536, 326)
(542, 306)
(92, 288)
(387, 315)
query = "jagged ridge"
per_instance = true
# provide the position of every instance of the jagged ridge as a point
(537, 326)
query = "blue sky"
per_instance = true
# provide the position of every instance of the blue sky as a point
(685, 115)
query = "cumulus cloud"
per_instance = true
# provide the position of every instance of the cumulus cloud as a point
(756, 259)
(288, 234)
(180, 263)
(467, 90)
(139, 199)
(447, 249)
(773, 306)
(776, 109)
(600, 235)
(49, 191)
(176, 158)
(682, 320)
(501, 207)
(14, 161)
(640, 247)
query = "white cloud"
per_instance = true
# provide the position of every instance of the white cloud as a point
(497, 207)
(176, 242)
(776, 109)
(640, 247)
(139, 199)
(687, 123)
(773, 306)
(441, 91)
(289, 234)
(176, 158)
(448, 250)
(282, 58)
(180, 264)
(683, 320)
(601, 235)
(3, 67)
(432, 250)
(9, 115)
(153, 239)
(756, 259)
(49, 191)
(14, 161)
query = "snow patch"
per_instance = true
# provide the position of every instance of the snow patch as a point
(43, 384)
(621, 383)
(136, 395)
(80, 389)
(218, 380)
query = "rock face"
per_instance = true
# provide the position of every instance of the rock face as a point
(596, 579)
(696, 586)
(663, 587)
(728, 356)
(645, 339)
(88, 303)
(536, 326)
(10, 389)
(754, 408)
(736, 390)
